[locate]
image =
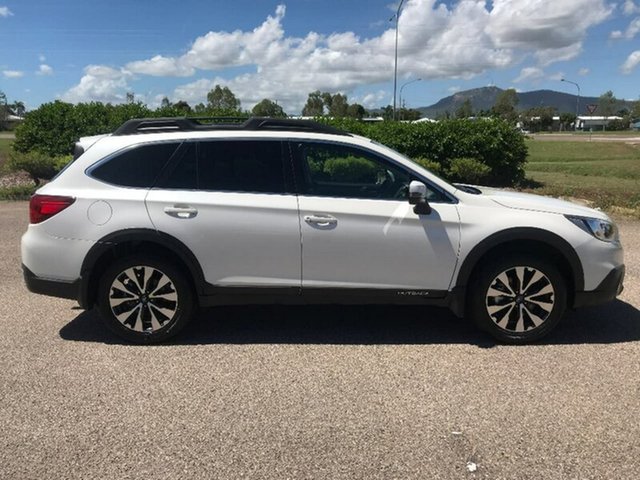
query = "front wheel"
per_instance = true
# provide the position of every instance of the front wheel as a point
(518, 299)
(144, 299)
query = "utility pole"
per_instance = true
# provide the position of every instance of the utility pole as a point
(395, 68)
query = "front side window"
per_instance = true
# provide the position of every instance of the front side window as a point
(232, 166)
(331, 170)
(135, 167)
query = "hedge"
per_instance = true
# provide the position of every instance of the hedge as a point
(491, 142)
(484, 150)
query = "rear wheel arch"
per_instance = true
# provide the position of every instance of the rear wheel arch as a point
(136, 241)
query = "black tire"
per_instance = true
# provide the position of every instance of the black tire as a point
(144, 299)
(518, 299)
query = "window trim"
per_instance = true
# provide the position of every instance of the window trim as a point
(299, 171)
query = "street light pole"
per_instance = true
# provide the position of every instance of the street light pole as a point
(577, 100)
(402, 87)
(395, 68)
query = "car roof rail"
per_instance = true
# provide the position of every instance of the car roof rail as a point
(193, 124)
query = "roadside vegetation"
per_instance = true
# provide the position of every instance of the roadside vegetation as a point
(5, 149)
(607, 174)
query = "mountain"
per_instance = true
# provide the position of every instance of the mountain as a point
(484, 98)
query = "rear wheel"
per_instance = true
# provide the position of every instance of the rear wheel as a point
(518, 299)
(144, 299)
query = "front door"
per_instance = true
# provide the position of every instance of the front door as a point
(358, 229)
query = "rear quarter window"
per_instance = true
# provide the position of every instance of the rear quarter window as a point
(138, 166)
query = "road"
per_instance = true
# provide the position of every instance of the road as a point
(314, 392)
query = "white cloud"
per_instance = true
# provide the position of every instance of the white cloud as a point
(42, 58)
(631, 63)
(5, 12)
(554, 30)
(552, 55)
(633, 29)
(160, 66)
(583, 72)
(529, 74)
(100, 83)
(12, 74)
(374, 100)
(44, 70)
(629, 34)
(436, 40)
(454, 89)
(556, 77)
(630, 8)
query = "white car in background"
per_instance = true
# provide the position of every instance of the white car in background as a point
(166, 215)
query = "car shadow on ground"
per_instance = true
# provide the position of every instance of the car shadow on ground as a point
(615, 322)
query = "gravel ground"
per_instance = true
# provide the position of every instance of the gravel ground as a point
(308, 392)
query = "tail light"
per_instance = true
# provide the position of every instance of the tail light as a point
(42, 207)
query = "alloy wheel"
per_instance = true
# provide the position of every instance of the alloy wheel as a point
(143, 299)
(520, 299)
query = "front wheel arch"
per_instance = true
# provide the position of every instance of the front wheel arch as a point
(523, 240)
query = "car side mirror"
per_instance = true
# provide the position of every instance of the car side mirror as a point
(418, 198)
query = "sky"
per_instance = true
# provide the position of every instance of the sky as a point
(84, 50)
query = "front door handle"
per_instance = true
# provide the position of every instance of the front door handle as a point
(321, 220)
(181, 211)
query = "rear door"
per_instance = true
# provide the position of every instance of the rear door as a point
(231, 202)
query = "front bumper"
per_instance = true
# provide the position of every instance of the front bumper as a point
(608, 290)
(53, 288)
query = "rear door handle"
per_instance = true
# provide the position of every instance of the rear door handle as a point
(181, 211)
(321, 220)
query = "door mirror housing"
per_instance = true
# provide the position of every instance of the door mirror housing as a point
(418, 198)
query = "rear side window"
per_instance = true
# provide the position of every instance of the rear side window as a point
(231, 166)
(135, 167)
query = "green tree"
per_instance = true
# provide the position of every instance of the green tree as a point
(387, 112)
(465, 110)
(183, 107)
(314, 106)
(409, 114)
(318, 103)
(607, 104)
(566, 120)
(505, 106)
(635, 110)
(18, 108)
(221, 98)
(355, 110)
(338, 105)
(53, 127)
(4, 110)
(268, 108)
(131, 98)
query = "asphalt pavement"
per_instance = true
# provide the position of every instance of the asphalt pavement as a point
(315, 392)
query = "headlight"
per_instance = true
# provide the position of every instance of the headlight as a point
(601, 229)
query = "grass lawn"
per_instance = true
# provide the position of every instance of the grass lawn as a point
(606, 173)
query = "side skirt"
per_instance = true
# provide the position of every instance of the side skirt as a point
(338, 296)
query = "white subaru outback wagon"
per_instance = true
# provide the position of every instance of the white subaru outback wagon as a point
(166, 215)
